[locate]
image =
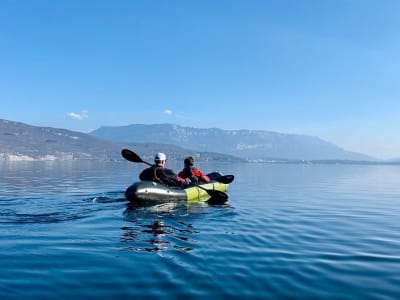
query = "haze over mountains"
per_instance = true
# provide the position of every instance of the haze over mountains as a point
(248, 144)
(19, 141)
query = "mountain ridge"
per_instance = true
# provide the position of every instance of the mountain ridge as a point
(20, 141)
(244, 143)
(23, 142)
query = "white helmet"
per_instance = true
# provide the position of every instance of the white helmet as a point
(160, 156)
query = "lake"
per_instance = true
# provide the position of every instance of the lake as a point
(287, 231)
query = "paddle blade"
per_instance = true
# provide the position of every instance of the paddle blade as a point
(218, 195)
(225, 179)
(131, 156)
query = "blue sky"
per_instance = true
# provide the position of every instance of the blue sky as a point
(329, 68)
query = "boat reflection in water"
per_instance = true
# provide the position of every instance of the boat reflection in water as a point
(162, 226)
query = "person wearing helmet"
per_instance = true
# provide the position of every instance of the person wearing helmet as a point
(192, 173)
(159, 173)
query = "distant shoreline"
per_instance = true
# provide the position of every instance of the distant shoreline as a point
(52, 158)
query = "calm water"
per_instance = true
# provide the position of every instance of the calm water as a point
(288, 231)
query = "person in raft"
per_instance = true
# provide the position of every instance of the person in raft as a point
(159, 173)
(192, 173)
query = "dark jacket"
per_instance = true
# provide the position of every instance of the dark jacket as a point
(161, 175)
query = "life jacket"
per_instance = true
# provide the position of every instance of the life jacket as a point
(193, 174)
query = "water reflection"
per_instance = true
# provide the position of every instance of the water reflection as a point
(155, 228)
(156, 237)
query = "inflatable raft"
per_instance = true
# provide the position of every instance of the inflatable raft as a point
(149, 191)
(153, 192)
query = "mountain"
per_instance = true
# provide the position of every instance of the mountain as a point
(19, 141)
(248, 144)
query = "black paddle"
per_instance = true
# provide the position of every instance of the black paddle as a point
(133, 157)
(216, 196)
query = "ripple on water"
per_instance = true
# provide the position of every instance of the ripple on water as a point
(54, 208)
(327, 232)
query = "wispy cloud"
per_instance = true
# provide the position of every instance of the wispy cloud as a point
(176, 115)
(168, 112)
(79, 116)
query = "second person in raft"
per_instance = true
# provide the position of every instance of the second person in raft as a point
(194, 174)
(159, 173)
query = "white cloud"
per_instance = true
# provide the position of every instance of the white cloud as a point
(80, 116)
(168, 112)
